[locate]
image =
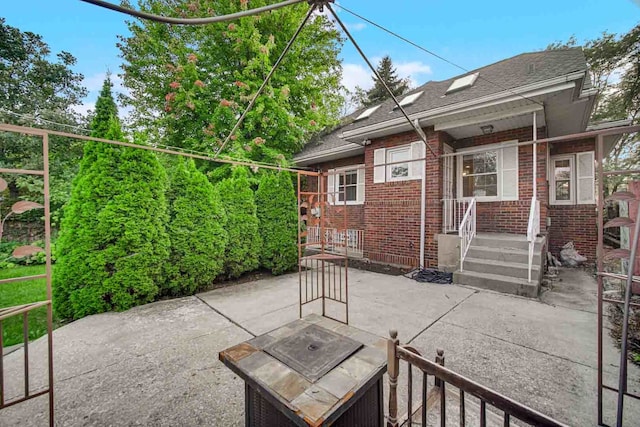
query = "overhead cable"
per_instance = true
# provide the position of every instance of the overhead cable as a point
(430, 52)
(191, 21)
(414, 125)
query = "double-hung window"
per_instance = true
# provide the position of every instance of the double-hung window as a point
(480, 174)
(346, 185)
(489, 175)
(572, 179)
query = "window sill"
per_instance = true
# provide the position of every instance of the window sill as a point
(348, 203)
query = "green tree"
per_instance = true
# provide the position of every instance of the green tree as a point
(35, 87)
(378, 93)
(277, 213)
(614, 64)
(196, 230)
(112, 242)
(243, 249)
(191, 82)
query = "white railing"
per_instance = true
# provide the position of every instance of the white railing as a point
(467, 230)
(334, 240)
(533, 229)
(453, 211)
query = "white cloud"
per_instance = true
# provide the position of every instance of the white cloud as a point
(413, 69)
(94, 83)
(358, 75)
(356, 26)
(84, 108)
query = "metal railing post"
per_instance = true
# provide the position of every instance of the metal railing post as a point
(393, 369)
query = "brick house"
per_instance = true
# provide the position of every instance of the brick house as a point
(480, 128)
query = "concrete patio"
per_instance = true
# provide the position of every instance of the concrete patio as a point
(157, 364)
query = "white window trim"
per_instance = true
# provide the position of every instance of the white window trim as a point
(388, 166)
(336, 185)
(572, 180)
(489, 147)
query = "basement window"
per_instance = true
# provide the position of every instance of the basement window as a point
(366, 113)
(462, 83)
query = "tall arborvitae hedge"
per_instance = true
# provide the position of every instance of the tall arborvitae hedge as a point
(112, 241)
(196, 229)
(243, 247)
(277, 213)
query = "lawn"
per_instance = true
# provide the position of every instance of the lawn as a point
(22, 293)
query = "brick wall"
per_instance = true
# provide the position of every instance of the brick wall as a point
(390, 215)
(392, 209)
(576, 223)
(513, 216)
(335, 213)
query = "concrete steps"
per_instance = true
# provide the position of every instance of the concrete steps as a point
(500, 262)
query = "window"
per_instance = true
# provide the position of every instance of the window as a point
(348, 186)
(409, 99)
(398, 171)
(572, 179)
(366, 113)
(480, 175)
(398, 163)
(563, 184)
(346, 183)
(490, 175)
(462, 83)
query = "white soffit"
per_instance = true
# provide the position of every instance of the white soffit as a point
(488, 117)
(366, 113)
(463, 82)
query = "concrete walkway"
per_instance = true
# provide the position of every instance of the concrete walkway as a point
(157, 364)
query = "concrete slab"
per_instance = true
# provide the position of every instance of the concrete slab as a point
(574, 288)
(167, 375)
(157, 364)
(560, 388)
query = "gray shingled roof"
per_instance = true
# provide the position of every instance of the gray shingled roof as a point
(511, 73)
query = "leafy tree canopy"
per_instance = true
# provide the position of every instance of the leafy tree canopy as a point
(192, 82)
(614, 63)
(39, 86)
(378, 93)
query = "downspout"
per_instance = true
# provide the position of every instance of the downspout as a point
(535, 154)
(423, 209)
(423, 195)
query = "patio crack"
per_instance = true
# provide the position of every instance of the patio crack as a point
(225, 316)
(546, 353)
(444, 314)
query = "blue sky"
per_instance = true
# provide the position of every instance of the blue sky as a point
(469, 33)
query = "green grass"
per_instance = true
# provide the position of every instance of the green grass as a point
(19, 293)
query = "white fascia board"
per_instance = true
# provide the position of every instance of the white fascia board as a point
(318, 157)
(512, 112)
(608, 125)
(540, 88)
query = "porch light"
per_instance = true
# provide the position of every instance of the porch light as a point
(487, 129)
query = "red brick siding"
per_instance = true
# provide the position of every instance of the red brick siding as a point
(392, 209)
(576, 223)
(355, 213)
(513, 216)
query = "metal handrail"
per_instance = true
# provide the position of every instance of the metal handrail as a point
(467, 231)
(443, 377)
(453, 211)
(533, 229)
